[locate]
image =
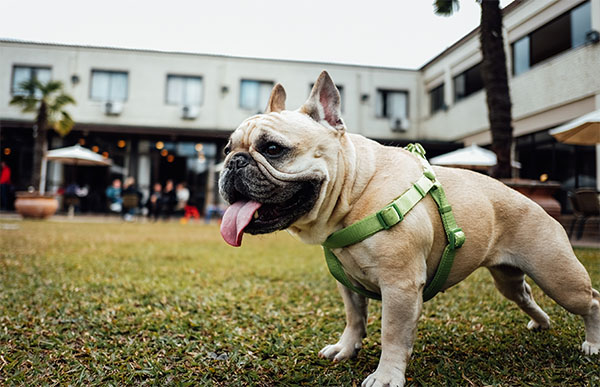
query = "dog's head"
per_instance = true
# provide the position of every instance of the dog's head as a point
(278, 162)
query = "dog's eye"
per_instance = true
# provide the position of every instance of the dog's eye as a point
(273, 150)
(226, 150)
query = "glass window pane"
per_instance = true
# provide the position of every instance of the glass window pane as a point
(118, 87)
(193, 91)
(100, 85)
(581, 23)
(459, 87)
(474, 81)
(20, 75)
(174, 90)
(397, 105)
(249, 94)
(43, 75)
(521, 56)
(436, 97)
(380, 103)
(551, 39)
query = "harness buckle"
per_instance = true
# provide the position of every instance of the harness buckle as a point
(389, 216)
(456, 238)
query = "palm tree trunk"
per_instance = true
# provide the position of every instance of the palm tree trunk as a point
(40, 145)
(495, 82)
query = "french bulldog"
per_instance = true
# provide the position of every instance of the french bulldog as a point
(302, 171)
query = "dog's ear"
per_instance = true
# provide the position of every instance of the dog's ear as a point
(324, 102)
(276, 100)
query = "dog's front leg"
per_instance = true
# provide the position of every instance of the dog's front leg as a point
(356, 327)
(401, 310)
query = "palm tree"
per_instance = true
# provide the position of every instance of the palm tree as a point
(495, 79)
(48, 101)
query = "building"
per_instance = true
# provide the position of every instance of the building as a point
(553, 59)
(164, 115)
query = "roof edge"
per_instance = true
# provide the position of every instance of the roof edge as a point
(157, 51)
(505, 11)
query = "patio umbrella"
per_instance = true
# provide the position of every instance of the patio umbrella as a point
(584, 130)
(472, 157)
(77, 155)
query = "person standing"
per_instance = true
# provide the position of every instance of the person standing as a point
(5, 186)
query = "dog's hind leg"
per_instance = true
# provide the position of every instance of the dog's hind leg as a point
(510, 281)
(564, 279)
(591, 345)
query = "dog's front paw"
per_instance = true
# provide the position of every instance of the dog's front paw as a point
(533, 325)
(392, 377)
(590, 348)
(340, 351)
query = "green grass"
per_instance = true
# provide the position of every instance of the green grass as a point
(171, 304)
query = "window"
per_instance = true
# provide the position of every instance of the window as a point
(184, 90)
(26, 73)
(436, 98)
(109, 86)
(468, 82)
(391, 104)
(254, 95)
(340, 89)
(561, 34)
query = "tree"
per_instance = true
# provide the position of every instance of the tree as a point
(48, 101)
(495, 79)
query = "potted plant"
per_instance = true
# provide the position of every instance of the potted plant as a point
(48, 101)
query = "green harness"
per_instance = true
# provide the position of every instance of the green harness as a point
(393, 214)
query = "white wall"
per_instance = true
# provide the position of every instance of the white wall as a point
(148, 70)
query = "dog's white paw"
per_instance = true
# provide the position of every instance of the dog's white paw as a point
(590, 348)
(385, 376)
(533, 325)
(340, 351)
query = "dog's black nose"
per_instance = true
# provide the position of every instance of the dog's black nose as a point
(240, 160)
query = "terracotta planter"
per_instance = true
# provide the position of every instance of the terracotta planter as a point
(539, 192)
(32, 205)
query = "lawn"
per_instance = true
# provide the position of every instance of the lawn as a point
(171, 304)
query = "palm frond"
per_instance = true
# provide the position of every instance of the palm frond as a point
(50, 87)
(29, 86)
(64, 125)
(49, 102)
(61, 101)
(27, 103)
(445, 7)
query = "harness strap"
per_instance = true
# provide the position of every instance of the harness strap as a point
(393, 214)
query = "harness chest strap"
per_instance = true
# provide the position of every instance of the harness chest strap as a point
(393, 214)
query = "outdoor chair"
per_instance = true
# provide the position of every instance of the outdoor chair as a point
(586, 204)
(130, 201)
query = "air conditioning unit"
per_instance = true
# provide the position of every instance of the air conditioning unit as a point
(190, 112)
(400, 125)
(113, 108)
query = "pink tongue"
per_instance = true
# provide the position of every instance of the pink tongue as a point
(235, 219)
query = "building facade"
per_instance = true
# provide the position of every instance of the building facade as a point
(553, 65)
(163, 115)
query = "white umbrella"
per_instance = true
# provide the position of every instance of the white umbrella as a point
(584, 130)
(77, 155)
(473, 157)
